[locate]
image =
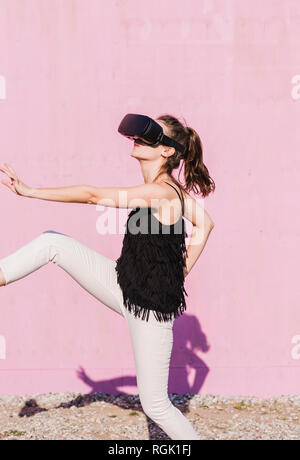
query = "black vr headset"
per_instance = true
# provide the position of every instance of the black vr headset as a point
(135, 126)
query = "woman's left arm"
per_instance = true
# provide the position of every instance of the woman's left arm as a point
(70, 194)
(115, 197)
(143, 195)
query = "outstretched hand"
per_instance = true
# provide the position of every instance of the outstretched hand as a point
(16, 185)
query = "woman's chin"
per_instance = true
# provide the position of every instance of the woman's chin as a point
(134, 154)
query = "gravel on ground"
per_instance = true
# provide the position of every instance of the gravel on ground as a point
(102, 416)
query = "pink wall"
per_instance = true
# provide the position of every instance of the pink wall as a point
(69, 70)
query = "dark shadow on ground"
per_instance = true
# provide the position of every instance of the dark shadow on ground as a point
(188, 340)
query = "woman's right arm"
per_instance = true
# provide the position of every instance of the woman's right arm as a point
(202, 226)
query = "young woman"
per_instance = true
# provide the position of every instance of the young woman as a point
(146, 283)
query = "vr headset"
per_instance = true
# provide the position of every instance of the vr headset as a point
(146, 131)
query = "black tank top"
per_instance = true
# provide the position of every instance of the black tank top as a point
(150, 267)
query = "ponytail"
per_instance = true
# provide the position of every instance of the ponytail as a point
(196, 174)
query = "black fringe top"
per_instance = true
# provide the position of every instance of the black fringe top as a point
(150, 267)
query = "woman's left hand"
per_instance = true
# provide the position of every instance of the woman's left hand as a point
(16, 185)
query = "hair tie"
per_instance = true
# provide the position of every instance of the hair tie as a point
(185, 152)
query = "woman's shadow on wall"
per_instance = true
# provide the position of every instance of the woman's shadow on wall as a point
(186, 377)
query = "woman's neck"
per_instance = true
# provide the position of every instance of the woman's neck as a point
(150, 170)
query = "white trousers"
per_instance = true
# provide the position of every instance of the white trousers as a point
(151, 341)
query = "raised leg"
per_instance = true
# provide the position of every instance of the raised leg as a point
(92, 270)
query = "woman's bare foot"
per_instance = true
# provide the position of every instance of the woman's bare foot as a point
(2, 279)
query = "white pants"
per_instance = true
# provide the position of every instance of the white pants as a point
(152, 341)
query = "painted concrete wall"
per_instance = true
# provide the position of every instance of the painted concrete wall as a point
(69, 70)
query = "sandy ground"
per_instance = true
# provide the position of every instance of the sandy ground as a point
(100, 416)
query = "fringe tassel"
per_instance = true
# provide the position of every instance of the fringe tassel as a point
(144, 312)
(151, 276)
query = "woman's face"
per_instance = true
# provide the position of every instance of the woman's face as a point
(148, 152)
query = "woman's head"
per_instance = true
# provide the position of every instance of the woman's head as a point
(196, 174)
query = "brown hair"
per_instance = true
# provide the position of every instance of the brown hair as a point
(196, 174)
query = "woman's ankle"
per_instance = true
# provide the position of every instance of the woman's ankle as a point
(2, 279)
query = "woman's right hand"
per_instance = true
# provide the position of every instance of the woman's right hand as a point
(16, 185)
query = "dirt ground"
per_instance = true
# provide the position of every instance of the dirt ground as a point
(100, 416)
